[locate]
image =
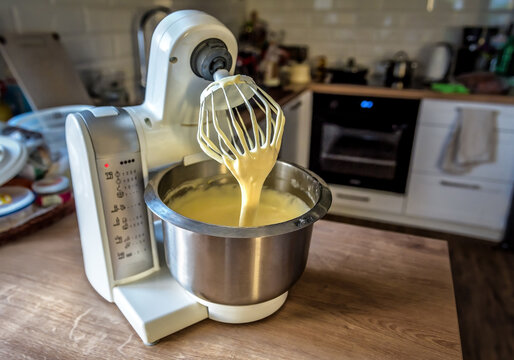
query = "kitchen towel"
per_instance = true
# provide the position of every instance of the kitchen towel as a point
(472, 141)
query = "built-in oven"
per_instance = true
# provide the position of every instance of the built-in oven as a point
(363, 141)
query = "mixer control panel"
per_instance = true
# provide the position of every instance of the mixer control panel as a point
(122, 187)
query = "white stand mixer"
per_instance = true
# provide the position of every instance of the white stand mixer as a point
(111, 152)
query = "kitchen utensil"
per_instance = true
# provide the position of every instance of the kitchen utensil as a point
(222, 133)
(13, 156)
(439, 63)
(112, 150)
(399, 71)
(204, 249)
(43, 70)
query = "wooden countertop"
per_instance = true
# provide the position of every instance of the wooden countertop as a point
(346, 89)
(366, 294)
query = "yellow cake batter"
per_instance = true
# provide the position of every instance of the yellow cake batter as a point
(221, 205)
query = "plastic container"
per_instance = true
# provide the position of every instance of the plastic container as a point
(50, 123)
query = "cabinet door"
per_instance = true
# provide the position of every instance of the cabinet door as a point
(473, 202)
(430, 141)
(347, 197)
(444, 112)
(297, 130)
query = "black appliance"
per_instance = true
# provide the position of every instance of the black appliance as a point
(476, 51)
(363, 141)
(350, 73)
(399, 71)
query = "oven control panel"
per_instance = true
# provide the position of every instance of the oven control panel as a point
(125, 214)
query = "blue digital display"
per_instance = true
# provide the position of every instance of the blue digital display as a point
(366, 104)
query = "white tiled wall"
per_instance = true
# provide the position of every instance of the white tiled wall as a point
(99, 35)
(373, 30)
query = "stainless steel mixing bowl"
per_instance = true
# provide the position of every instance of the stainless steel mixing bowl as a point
(233, 265)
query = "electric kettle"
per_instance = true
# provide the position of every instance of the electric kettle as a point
(439, 63)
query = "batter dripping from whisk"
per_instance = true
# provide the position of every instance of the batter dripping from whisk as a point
(223, 135)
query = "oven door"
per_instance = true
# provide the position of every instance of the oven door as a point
(352, 145)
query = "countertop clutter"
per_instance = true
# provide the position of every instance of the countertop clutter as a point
(362, 90)
(285, 94)
(365, 294)
(34, 162)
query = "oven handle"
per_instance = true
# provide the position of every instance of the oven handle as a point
(358, 159)
(353, 197)
(392, 137)
(460, 185)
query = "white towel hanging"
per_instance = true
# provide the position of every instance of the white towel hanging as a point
(472, 141)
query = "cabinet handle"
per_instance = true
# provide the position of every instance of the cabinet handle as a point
(460, 185)
(296, 106)
(353, 197)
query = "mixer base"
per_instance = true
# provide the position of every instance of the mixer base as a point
(243, 313)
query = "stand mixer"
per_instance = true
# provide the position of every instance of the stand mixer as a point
(112, 150)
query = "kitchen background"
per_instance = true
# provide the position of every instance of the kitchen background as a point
(99, 35)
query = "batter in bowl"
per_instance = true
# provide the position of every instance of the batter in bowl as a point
(221, 205)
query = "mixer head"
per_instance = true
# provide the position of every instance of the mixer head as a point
(228, 107)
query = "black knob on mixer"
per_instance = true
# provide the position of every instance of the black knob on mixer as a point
(210, 56)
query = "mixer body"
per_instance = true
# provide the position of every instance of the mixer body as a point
(158, 132)
(168, 118)
(111, 152)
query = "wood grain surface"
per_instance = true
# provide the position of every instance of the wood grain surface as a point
(366, 294)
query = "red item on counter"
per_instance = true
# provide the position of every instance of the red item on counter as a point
(54, 190)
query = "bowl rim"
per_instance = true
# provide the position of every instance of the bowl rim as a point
(161, 210)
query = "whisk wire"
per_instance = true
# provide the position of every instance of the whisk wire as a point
(280, 119)
(246, 133)
(203, 136)
(271, 123)
(237, 128)
(222, 137)
(255, 125)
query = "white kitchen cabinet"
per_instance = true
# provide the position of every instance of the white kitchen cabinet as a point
(480, 197)
(429, 147)
(446, 198)
(297, 131)
(365, 199)
(443, 112)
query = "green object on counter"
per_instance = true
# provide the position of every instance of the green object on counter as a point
(450, 88)
(505, 62)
